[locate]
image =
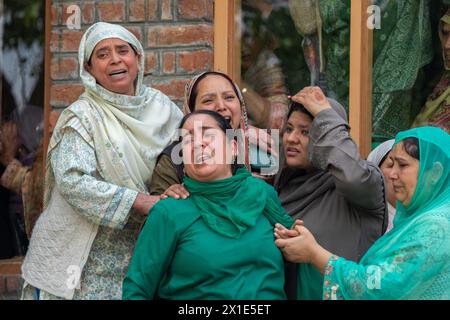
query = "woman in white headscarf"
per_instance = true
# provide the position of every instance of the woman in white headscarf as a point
(101, 154)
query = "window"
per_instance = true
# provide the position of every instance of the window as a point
(383, 77)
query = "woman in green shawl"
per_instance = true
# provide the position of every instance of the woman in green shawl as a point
(412, 260)
(218, 243)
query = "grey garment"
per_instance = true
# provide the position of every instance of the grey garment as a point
(343, 202)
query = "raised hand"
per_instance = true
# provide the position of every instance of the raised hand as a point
(313, 99)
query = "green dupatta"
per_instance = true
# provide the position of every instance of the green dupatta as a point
(230, 206)
(412, 261)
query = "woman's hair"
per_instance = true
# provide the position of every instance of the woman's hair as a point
(411, 146)
(383, 159)
(194, 89)
(295, 106)
(223, 124)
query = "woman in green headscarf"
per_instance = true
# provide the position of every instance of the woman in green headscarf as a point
(437, 109)
(412, 260)
(217, 243)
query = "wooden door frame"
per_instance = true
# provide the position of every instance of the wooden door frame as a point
(47, 76)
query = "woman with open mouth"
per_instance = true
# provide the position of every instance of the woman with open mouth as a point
(101, 154)
(217, 243)
(208, 91)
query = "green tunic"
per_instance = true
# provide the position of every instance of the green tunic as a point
(178, 256)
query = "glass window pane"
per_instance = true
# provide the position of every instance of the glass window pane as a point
(22, 103)
(290, 44)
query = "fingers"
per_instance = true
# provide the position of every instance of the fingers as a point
(175, 191)
(281, 232)
(297, 222)
(281, 243)
(302, 230)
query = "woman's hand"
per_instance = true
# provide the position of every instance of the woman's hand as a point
(175, 191)
(304, 249)
(281, 232)
(301, 248)
(144, 202)
(313, 99)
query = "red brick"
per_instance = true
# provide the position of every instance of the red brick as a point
(137, 31)
(136, 10)
(63, 95)
(55, 14)
(2, 284)
(151, 37)
(152, 10)
(151, 63)
(11, 266)
(166, 10)
(174, 88)
(168, 62)
(195, 61)
(64, 68)
(71, 40)
(54, 41)
(192, 9)
(12, 284)
(201, 34)
(87, 13)
(111, 11)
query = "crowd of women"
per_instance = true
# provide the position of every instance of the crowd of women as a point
(122, 219)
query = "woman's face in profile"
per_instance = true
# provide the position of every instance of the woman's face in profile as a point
(404, 174)
(115, 66)
(386, 168)
(216, 93)
(207, 153)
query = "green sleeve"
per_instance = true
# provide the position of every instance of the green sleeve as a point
(274, 205)
(164, 175)
(152, 255)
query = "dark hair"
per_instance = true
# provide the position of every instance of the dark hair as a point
(223, 124)
(383, 159)
(411, 146)
(194, 89)
(297, 107)
(221, 121)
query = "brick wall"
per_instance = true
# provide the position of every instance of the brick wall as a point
(10, 280)
(177, 36)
